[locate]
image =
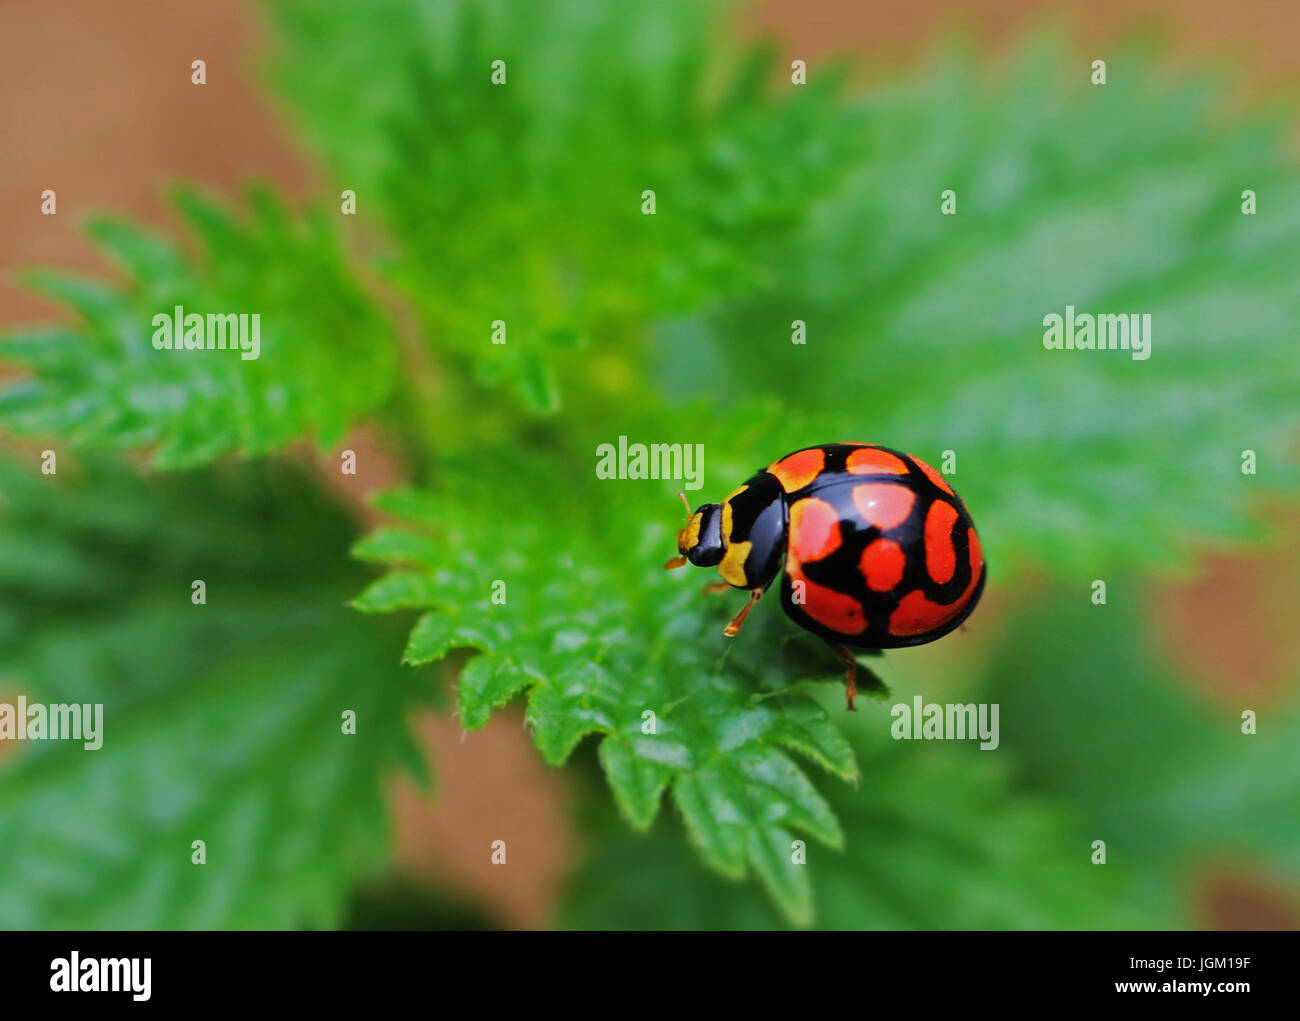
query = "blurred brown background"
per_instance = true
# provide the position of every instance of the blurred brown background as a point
(96, 103)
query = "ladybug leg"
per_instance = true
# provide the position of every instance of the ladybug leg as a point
(739, 618)
(851, 676)
(714, 587)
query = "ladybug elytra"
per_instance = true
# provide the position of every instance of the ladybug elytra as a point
(872, 547)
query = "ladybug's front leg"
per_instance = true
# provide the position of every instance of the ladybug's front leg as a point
(739, 619)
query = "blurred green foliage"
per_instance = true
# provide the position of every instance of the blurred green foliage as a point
(1121, 739)
(222, 722)
(326, 354)
(522, 203)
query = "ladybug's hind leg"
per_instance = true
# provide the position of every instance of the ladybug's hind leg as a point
(850, 661)
(851, 664)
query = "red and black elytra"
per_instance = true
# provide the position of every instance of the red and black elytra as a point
(873, 548)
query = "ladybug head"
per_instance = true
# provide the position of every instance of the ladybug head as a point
(700, 541)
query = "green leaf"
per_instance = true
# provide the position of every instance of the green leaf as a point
(665, 718)
(487, 683)
(222, 722)
(435, 634)
(320, 355)
(401, 590)
(636, 777)
(806, 729)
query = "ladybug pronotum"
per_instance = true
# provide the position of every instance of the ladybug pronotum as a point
(873, 548)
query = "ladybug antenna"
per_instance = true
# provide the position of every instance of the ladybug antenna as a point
(685, 503)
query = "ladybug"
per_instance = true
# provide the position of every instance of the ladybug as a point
(872, 547)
